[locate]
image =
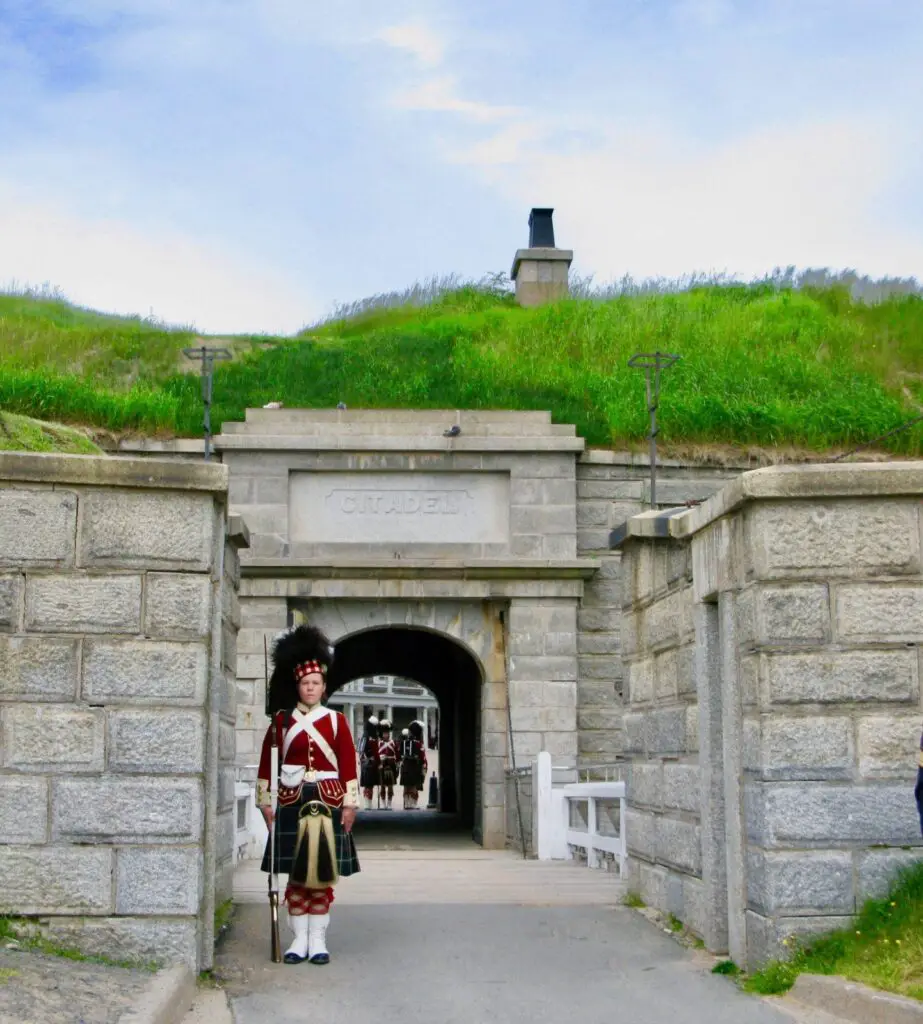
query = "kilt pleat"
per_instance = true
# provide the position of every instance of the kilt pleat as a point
(286, 830)
(412, 774)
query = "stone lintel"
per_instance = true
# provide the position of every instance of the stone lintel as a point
(652, 525)
(106, 471)
(421, 568)
(396, 443)
(829, 480)
(238, 532)
(543, 255)
(779, 483)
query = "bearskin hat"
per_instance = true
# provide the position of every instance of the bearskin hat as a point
(297, 646)
(385, 725)
(405, 733)
(371, 726)
(416, 729)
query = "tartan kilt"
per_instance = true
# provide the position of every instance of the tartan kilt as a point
(368, 777)
(388, 776)
(286, 829)
(412, 774)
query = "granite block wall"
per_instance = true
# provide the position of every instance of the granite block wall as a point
(116, 637)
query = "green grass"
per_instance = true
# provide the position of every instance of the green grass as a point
(24, 434)
(760, 365)
(633, 899)
(883, 948)
(726, 967)
(27, 936)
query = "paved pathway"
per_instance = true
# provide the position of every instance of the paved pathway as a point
(441, 932)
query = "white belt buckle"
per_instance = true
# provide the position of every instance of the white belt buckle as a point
(311, 776)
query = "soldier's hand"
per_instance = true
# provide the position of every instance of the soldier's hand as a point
(349, 817)
(267, 816)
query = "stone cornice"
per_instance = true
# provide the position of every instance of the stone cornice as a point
(107, 471)
(395, 443)
(420, 568)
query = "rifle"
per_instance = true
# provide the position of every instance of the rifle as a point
(275, 942)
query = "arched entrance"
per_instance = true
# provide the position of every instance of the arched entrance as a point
(453, 675)
(456, 649)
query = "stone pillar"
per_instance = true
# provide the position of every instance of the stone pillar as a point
(540, 272)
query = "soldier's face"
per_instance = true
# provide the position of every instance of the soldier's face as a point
(311, 688)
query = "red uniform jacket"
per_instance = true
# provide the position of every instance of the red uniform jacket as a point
(321, 743)
(370, 749)
(387, 750)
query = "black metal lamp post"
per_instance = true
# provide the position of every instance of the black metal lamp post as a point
(207, 356)
(656, 362)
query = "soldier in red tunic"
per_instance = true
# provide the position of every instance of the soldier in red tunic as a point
(368, 758)
(318, 792)
(387, 763)
(413, 764)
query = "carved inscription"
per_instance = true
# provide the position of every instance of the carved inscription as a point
(404, 508)
(400, 503)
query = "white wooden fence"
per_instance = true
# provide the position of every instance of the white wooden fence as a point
(555, 837)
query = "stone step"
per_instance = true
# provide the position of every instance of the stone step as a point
(389, 428)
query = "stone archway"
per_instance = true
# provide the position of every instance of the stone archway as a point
(455, 649)
(454, 677)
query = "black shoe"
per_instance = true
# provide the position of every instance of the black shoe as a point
(320, 959)
(293, 958)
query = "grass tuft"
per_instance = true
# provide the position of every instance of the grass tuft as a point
(727, 967)
(883, 948)
(633, 899)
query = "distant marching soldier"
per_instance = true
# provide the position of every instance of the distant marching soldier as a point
(368, 759)
(387, 763)
(413, 764)
(318, 792)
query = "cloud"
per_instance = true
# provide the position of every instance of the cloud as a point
(420, 41)
(656, 203)
(440, 95)
(108, 264)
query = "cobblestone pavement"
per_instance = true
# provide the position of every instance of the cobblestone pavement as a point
(39, 989)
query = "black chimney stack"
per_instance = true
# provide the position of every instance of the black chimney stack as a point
(541, 230)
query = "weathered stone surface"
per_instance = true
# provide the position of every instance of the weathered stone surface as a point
(797, 613)
(56, 880)
(598, 643)
(669, 619)
(158, 742)
(158, 881)
(145, 939)
(645, 785)
(120, 810)
(889, 746)
(692, 729)
(769, 938)
(53, 738)
(681, 787)
(653, 885)
(880, 611)
(877, 870)
(38, 527)
(833, 676)
(144, 671)
(807, 748)
(633, 729)
(77, 603)
(227, 742)
(800, 882)
(665, 674)
(177, 604)
(641, 681)
(11, 587)
(823, 814)
(679, 843)
(665, 731)
(23, 810)
(38, 668)
(841, 538)
(641, 833)
(146, 529)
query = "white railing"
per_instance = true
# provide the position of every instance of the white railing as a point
(554, 838)
(592, 840)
